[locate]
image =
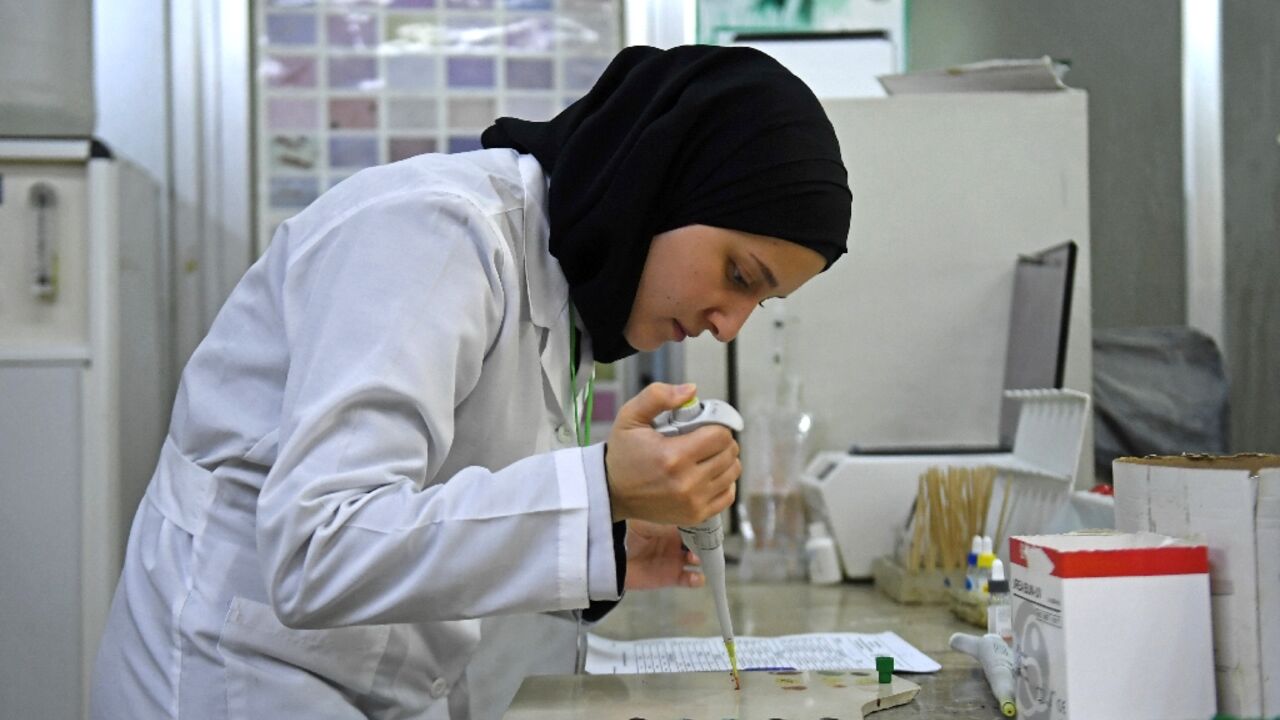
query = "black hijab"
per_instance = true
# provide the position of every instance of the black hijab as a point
(703, 135)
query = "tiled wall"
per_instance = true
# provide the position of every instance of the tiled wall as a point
(345, 84)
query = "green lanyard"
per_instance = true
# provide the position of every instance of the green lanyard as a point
(581, 425)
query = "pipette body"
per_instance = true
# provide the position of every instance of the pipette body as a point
(707, 538)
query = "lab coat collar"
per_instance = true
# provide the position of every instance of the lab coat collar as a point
(548, 289)
(548, 293)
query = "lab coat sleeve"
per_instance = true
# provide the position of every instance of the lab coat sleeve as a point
(606, 556)
(388, 315)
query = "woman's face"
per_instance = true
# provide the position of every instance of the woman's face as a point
(700, 278)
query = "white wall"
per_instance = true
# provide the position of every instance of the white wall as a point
(173, 89)
(131, 82)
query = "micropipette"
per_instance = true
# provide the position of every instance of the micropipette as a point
(707, 538)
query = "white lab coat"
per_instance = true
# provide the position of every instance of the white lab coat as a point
(372, 448)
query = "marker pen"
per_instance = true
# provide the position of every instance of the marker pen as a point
(997, 664)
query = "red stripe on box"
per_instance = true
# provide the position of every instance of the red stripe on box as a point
(1180, 560)
(1016, 554)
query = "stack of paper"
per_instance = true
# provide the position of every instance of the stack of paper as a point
(987, 76)
(817, 651)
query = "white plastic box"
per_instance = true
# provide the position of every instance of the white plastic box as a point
(1111, 627)
(1233, 505)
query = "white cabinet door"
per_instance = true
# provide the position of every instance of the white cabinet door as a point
(40, 496)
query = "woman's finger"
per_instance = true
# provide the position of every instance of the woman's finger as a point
(692, 579)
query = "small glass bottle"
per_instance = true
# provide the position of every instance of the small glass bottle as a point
(999, 621)
(972, 582)
(820, 554)
(985, 560)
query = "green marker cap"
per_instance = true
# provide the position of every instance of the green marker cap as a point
(884, 666)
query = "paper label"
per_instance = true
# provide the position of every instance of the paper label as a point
(1039, 649)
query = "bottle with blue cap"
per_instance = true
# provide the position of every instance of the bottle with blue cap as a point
(972, 583)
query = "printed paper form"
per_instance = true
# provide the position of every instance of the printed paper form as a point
(815, 651)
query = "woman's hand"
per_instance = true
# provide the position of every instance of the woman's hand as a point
(656, 559)
(680, 480)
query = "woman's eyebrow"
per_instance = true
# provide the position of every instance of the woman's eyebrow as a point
(765, 271)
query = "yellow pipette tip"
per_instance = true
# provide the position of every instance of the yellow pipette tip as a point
(1007, 707)
(733, 663)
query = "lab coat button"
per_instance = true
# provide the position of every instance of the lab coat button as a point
(564, 434)
(439, 688)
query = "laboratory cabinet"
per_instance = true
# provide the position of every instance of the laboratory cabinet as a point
(84, 393)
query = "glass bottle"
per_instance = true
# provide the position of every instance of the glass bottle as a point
(774, 449)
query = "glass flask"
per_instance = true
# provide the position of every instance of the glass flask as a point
(774, 446)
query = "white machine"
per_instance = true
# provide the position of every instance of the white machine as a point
(866, 499)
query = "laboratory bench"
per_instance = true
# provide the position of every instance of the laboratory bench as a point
(958, 690)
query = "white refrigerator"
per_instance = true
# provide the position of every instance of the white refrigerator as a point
(84, 396)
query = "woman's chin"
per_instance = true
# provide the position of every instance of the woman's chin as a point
(644, 344)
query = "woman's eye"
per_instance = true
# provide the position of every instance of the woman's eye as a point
(738, 279)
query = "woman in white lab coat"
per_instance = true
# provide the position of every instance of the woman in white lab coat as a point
(378, 443)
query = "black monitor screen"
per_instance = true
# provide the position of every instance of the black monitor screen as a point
(1041, 311)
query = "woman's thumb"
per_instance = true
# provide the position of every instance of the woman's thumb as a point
(655, 398)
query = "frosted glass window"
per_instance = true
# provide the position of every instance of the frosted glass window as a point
(412, 114)
(472, 34)
(469, 4)
(468, 112)
(288, 113)
(294, 192)
(531, 35)
(527, 4)
(580, 73)
(420, 33)
(357, 73)
(530, 74)
(353, 113)
(530, 108)
(411, 72)
(289, 71)
(401, 148)
(353, 152)
(464, 143)
(291, 29)
(468, 72)
(345, 84)
(351, 29)
(294, 152)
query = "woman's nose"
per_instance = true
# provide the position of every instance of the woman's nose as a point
(727, 321)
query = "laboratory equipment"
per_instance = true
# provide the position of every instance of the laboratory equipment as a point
(866, 499)
(774, 449)
(997, 665)
(999, 621)
(971, 565)
(820, 556)
(707, 538)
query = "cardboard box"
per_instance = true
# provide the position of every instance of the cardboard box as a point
(1111, 626)
(1233, 505)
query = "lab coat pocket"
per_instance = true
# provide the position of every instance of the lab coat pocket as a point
(277, 671)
